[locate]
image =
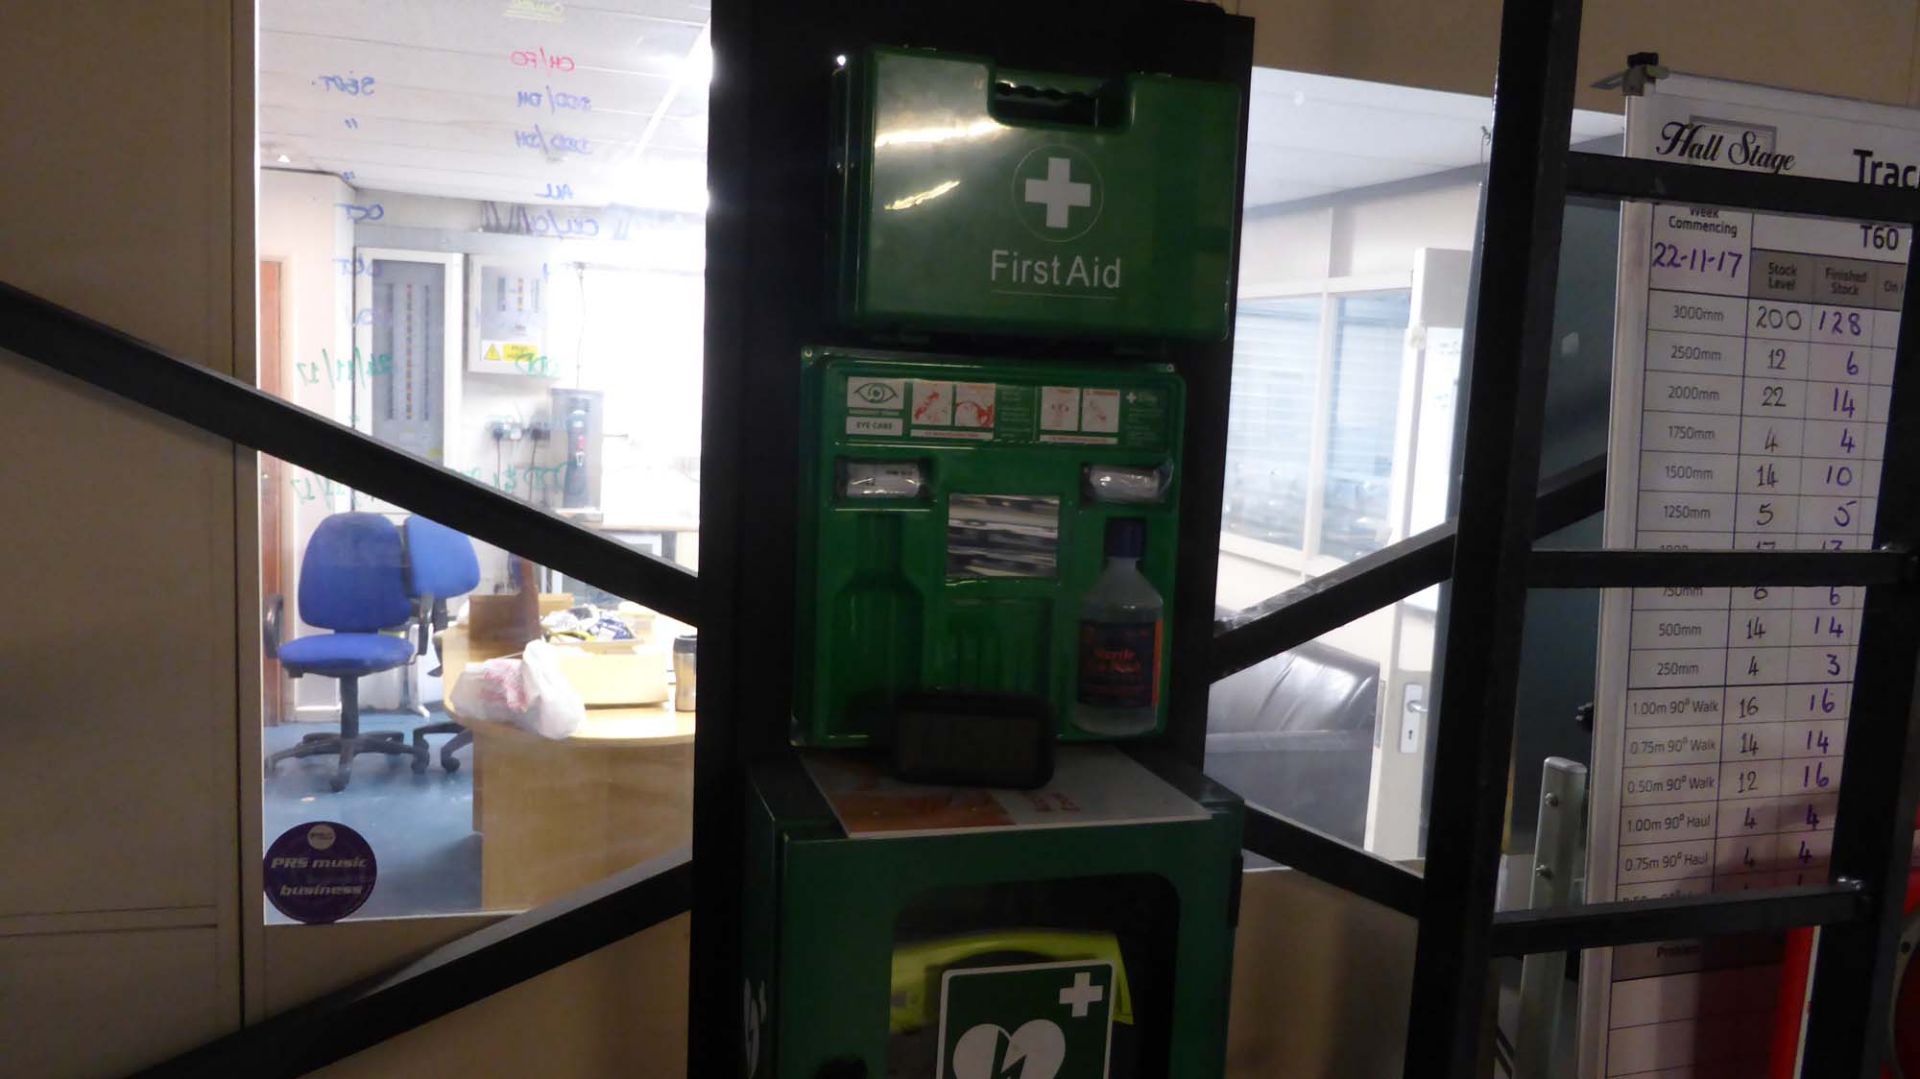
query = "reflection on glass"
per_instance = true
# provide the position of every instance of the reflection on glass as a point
(532, 320)
(497, 740)
(1296, 733)
(1003, 536)
(1270, 419)
(1369, 342)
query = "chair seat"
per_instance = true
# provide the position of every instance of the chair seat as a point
(337, 655)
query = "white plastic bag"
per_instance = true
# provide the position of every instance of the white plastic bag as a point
(528, 691)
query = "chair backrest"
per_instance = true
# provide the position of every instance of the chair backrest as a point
(440, 561)
(352, 578)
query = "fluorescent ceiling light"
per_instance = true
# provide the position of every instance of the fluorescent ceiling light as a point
(697, 68)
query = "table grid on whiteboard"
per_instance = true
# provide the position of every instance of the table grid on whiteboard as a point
(1767, 379)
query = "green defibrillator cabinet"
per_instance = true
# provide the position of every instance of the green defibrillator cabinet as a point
(976, 863)
(1083, 930)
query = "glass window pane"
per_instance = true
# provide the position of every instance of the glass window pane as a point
(1368, 356)
(520, 735)
(532, 317)
(1332, 733)
(495, 264)
(1270, 420)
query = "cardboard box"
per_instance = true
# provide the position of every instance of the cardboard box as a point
(614, 673)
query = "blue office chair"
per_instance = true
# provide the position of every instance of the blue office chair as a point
(441, 566)
(353, 582)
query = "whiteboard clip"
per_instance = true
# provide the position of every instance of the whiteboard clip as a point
(1643, 68)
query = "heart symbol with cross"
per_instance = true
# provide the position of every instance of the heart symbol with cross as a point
(987, 1051)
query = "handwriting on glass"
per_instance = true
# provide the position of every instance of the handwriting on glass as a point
(379, 365)
(350, 84)
(552, 100)
(540, 57)
(538, 221)
(551, 143)
(514, 477)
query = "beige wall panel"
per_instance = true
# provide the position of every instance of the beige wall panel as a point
(1321, 982)
(89, 1004)
(620, 1011)
(118, 196)
(1848, 48)
(1437, 44)
(1851, 48)
(117, 784)
(117, 634)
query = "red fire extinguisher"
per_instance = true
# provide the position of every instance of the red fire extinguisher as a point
(1797, 972)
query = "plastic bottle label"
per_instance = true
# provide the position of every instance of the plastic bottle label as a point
(1119, 664)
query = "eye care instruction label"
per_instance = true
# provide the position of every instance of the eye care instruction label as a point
(1753, 371)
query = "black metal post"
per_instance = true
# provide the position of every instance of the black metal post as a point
(1511, 339)
(1208, 372)
(1853, 976)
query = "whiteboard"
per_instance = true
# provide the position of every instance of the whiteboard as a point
(1753, 369)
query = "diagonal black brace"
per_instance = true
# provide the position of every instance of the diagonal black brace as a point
(1325, 858)
(100, 355)
(1388, 575)
(475, 966)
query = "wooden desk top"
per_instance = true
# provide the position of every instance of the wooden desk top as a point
(647, 725)
(599, 522)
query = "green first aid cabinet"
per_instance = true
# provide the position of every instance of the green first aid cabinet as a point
(1080, 931)
(978, 198)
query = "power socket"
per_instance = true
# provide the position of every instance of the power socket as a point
(540, 430)
(508, 431)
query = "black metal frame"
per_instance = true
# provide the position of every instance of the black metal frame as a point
(1530, 177)
(1606, 925)
(766, 232)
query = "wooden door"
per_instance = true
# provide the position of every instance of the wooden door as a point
(273, 554)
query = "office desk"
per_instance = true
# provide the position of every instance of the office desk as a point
(668, 529)
(554, 815)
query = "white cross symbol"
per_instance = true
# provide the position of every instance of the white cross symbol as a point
(1082, 994)
(1059, 191)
